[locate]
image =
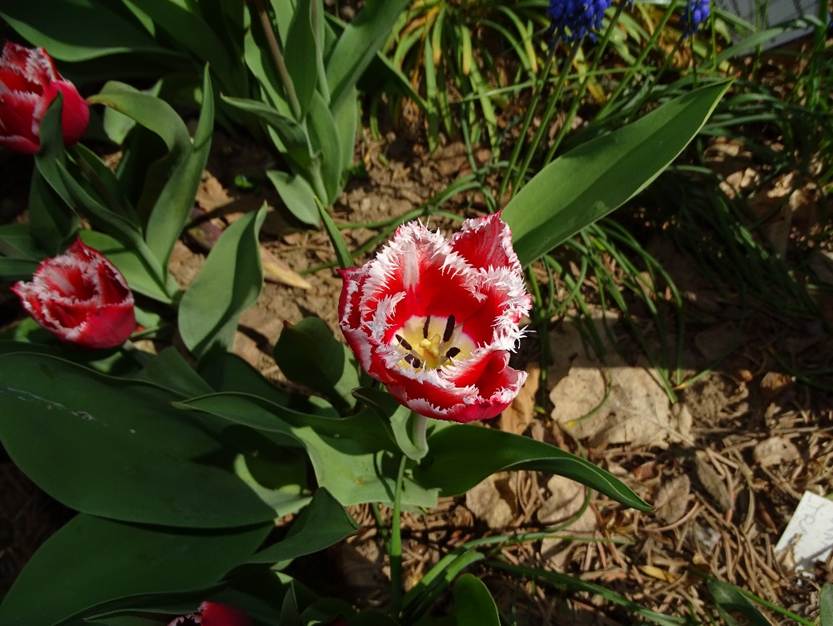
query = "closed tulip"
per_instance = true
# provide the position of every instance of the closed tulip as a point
(29, 83)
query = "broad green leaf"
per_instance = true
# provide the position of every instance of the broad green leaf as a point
(147, 110)
(734, 607)
(309, 354)
(228, 283)
(53, 223)
(326, 144)
(16, 269)
(16, 241)
(172, 206)
(297, 195)
(115, 224)
(293, 137)
(226, 371)
(346, 117)
(473, 603)
(358, 44)
(353, 457)
(460, 456)
(302, 55)
(402, 421)
(169, 369)
(597, 177)
(322, 524)
(115, 447)
(182, 22)
(105, 182)
(826, 601)
(139, 276)
(78, 30)
(93, 560)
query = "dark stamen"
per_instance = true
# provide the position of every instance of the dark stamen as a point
(410, 358)
(425, 327)
(452, 352)
(403, 342)
(449, 328)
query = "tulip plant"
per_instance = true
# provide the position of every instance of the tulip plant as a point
(179, 463)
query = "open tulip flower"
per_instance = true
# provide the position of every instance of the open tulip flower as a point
(435, 320)
(81, 298)
(29, 83)
(213, 614)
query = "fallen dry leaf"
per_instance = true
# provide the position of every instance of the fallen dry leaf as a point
(775, 451)
(211, 194)
(519, 415)
(276, 271)
(671, 501)
(712, 483)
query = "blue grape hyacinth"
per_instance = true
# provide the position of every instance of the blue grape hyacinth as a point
(696, 12)
(573, 19)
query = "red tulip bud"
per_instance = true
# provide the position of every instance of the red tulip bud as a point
(213, 614)
(29, 83)
(81, 298)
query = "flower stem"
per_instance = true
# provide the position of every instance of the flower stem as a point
(548, 115)
(530, 112)
(395, 546)
(419, 430)
(577, 98)
(652, 42)
(277, 58)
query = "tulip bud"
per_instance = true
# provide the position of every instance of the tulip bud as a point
(213, 614)
(29, 83)
(81, 298)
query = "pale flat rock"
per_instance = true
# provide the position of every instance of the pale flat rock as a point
(489, 504)
(566, 499)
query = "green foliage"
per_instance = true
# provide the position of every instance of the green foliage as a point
(115, 448)
(460, 456)
(597, 177)
(473, 604)
(92, 566)
(227, 284)
(309, 354)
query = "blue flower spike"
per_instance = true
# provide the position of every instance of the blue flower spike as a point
(573, 19)
(696, 12)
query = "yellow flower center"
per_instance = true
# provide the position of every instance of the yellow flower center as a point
(431, 342)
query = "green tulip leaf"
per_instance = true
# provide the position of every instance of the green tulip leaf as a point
(78, 30)
(473, 603)
(460, 456)
(309, 354)
(115, 447)
(228, 283)
(597, 177)
(92, 561)
(323, 523)
(353, 458)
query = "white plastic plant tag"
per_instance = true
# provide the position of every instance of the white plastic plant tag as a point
(809, 532)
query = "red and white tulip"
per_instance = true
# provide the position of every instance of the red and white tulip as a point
(214, 614)
(29, 83)
(435, 319)
(81, 298)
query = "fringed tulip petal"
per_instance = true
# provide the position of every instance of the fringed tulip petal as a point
(435, 319)
(81, 298)
(29, 83)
